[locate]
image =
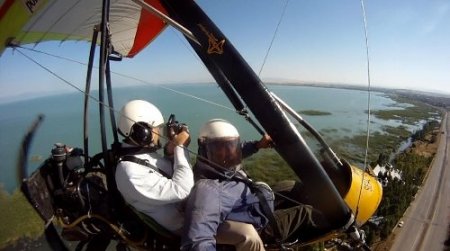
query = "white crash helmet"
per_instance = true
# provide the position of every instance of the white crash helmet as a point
(138, 112)
(219, 142)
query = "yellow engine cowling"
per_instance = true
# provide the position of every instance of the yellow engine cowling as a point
(362, 200)
(364, 195)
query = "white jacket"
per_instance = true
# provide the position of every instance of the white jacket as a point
(148, 191)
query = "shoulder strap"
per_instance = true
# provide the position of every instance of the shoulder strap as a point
(143, 162)
(267, 210)
(268, 213)
(122, 151)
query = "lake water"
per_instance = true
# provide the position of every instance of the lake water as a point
(64, 116)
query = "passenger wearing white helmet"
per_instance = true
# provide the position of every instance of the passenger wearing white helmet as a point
(219, 143)
(147, 181)
(220, 146)
(223, 193)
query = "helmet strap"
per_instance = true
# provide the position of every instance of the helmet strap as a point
(201, 147)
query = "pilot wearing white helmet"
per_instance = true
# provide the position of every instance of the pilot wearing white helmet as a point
(147, 181)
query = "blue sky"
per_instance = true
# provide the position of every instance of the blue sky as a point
(317, 41)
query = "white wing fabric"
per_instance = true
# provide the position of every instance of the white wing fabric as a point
(33, 21)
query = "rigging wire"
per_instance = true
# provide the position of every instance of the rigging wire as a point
(106, 105)
(273, 37)
(69, 83)
(59, 77)
(363, 10)
(122, 75)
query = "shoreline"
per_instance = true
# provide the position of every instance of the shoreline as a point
(443, 98)
(360, 88)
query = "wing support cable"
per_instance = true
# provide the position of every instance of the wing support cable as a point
(366, 36)
(110, 101)
(107, 73)
(273, 37)
(104, 42)
(86, 95)
(104, 76)
(106, 54)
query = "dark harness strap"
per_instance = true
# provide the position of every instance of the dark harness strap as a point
(268, 212)
(122, 151)
(143, 162)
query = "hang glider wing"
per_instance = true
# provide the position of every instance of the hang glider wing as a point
(34, 21)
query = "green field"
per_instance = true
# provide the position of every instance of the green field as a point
(18, 219)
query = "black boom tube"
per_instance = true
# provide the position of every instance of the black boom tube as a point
(322, 194)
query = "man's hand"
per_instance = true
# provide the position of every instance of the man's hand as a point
(182, 138)
(264, 142)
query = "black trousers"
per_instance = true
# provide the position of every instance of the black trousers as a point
(295, 221)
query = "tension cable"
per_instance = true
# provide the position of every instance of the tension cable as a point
(273, 37)
(106, 105)
(62, 79)
(363, 10)
(118, 74)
